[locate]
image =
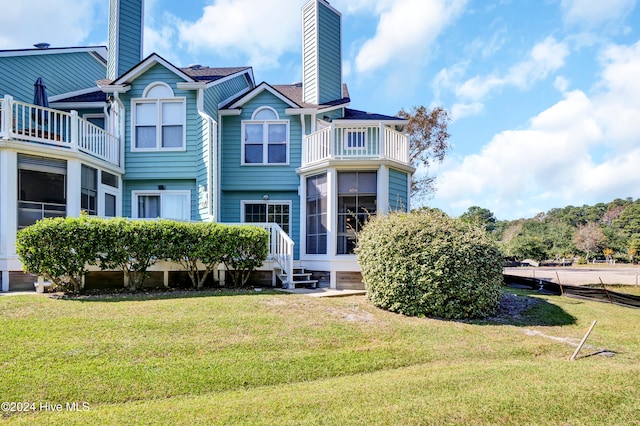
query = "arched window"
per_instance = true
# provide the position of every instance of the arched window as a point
(159, 118)
(265, 138)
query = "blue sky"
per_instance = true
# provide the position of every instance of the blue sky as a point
(544, 94)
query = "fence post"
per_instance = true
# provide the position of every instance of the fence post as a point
(75, 130)
(6, 118)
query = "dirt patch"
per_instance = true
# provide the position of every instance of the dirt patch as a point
(512, 307)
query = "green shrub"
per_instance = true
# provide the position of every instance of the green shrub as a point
(60, 250)
(197, 247)
(246, 248)
(132, 246)
(427, 264)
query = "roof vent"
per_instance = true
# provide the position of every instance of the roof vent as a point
(195, 66)
(41, 45)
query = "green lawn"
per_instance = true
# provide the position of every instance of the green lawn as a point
(271, 358)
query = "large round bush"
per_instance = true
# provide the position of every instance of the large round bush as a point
(427, 264)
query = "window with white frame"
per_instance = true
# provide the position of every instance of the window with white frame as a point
(89, 190)
(161, 204)
(265, 138)
(159, 120)
(268, 212)
(355, 139)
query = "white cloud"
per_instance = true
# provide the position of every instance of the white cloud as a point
(261, 29)
(61, 23)
(459, 111)
(405, 31)
(583, 149)
(544, 58)
(591, 13)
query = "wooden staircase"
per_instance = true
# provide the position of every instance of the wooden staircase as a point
(299, 278)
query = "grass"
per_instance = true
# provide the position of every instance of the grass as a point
(288, 359)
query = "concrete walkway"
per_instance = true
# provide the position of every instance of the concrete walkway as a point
(324, 292)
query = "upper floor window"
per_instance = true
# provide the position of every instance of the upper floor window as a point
(265, 138)
(159, 120)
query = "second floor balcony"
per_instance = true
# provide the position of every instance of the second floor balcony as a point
(30, 123)
(355, 142)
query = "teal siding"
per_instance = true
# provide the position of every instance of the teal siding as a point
(236, 177)
(223, 91)
(230, 209)
(167, 164)
(152, 185)
(61, 72)
(398, 190)
(125, 36)
(329, 55)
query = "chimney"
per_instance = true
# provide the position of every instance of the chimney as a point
(125, 36)
(321, 52)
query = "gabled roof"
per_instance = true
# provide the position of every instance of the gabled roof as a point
(239, 101)
(192, 74)
(144, 66)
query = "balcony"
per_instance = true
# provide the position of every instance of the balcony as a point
(366, 142)
(25, 122)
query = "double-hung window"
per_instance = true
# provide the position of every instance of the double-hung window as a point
(159, 119)
(162, 204)
(265, 138)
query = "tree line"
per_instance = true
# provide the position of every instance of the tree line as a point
(604, 231)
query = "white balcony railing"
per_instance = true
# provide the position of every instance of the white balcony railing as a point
(31, 123)
(355, 142)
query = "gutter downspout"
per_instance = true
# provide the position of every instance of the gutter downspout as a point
(213, 153)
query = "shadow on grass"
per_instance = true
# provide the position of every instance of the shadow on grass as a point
(521, 308)
(164, 294)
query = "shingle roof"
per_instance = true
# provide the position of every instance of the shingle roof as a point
(354, 114)
(294, 93)
(96, 96)
(201, 73)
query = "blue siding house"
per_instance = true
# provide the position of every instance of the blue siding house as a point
(143, 138)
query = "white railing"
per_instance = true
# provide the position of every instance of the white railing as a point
(280, 248)
(31, 123)
(339, 142)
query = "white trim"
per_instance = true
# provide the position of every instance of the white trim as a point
(345, 139)
(77, 105)
(55, 98)
(265, 140)
(261, 88)
(158, 125)
(147, 64)
(95, 115)
(137, 193)
(99, 50)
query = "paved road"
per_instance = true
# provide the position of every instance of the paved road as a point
(581, 275)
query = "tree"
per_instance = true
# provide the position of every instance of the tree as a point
(428, 142)
(588, 238)
(481, 217)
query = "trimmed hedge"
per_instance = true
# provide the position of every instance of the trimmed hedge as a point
(61, 249)
(427, 264)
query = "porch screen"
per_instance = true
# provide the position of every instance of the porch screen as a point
(317, 214)
(42, 184)
(356, 202)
